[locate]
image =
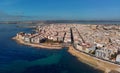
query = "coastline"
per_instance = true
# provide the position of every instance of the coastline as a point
(94, 62)
(38, 45)
(89, 60)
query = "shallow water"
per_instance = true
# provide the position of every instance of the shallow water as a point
(17, 58)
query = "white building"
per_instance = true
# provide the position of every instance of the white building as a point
(27, 39)
(67, 40)
(35, 40)
(118, 58)
(20, 35)
(104, 53)
(79, 47)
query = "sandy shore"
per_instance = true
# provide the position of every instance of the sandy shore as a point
(94, 62)
(47, 46)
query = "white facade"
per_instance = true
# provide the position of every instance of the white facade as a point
(104, 53)
(35, 40)
(118, 58)
(27, 39)
(67, 40)
(79, 47)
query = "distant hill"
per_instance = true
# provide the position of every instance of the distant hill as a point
(53, 21)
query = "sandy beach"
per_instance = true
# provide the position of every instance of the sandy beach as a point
(105, 66)
(47, 46)
(94, 62)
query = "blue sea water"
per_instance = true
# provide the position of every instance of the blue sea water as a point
(17, 58)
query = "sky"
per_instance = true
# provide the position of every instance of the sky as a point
(60, 9)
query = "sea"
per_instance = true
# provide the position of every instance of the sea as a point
(17, 58)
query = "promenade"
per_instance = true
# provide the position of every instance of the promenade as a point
(93, 61)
